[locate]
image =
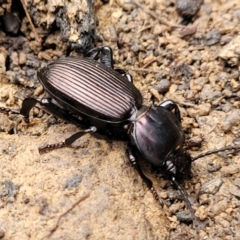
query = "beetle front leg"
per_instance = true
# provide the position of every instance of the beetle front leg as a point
(144, 178)
(103, 53)
(67, 142)
(170, 105)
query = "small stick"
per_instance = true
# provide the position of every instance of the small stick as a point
(64, 214)
(143, 69)
(30, 21)
(149, 63)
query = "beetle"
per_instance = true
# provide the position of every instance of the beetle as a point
(91, 94)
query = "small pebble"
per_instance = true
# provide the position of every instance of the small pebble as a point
(202, 213)
(216, 209)
(73, 181)
(235, 190)
(213, 37)
(11, 22)
(212, 186)
(188, 8)
(231, 51)
(22, 58)
(126, 5)
(200, 110)
(163, 86)
(214, 167)
(237, 182)
(184, 216)
(14, 59)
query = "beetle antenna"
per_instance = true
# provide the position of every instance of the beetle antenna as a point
(228, 148)
(189, 206)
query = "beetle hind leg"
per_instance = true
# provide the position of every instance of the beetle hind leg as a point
(52, 108)
(67, 142)
(27, 105)
(105, 55)
(9, 110)
(144, 178)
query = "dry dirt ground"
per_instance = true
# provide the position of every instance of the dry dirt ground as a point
(90, 191)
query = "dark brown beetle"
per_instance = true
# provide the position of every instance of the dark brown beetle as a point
(89, 93)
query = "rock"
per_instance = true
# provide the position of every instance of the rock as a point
(212, 186)
(163, 86)
(230, 52)
(188, 8)
(184, 216)
(11, 22)
(213, 37)
(3, 56)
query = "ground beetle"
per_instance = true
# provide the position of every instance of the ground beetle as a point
(90, 93)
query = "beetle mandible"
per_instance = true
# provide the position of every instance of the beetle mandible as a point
(91, 94)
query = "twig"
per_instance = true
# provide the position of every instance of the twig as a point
(30, 21)
(143, 69)
(64, 214)
(150, 62)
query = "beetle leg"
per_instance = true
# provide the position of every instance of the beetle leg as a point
(170, 105)
(67, 142)
(50, 107)
(144, 178)
(8, 110)
(103, 53)
(188, 204)
(93, 53)
(27, 105)
(59, 112)
(125, 74)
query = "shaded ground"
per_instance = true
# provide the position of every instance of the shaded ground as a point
(90, 191)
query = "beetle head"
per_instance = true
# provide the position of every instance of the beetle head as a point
(159, 137)
(178, 164)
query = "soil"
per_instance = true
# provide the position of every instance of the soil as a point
(90, 191)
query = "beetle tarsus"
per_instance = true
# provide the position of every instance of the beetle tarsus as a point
(189, 206)
(50, 147)
(144, 178)
(155, 195)
(9, 111)
(103, 53)
(67, 142)
(125, 74)
(27, 105)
